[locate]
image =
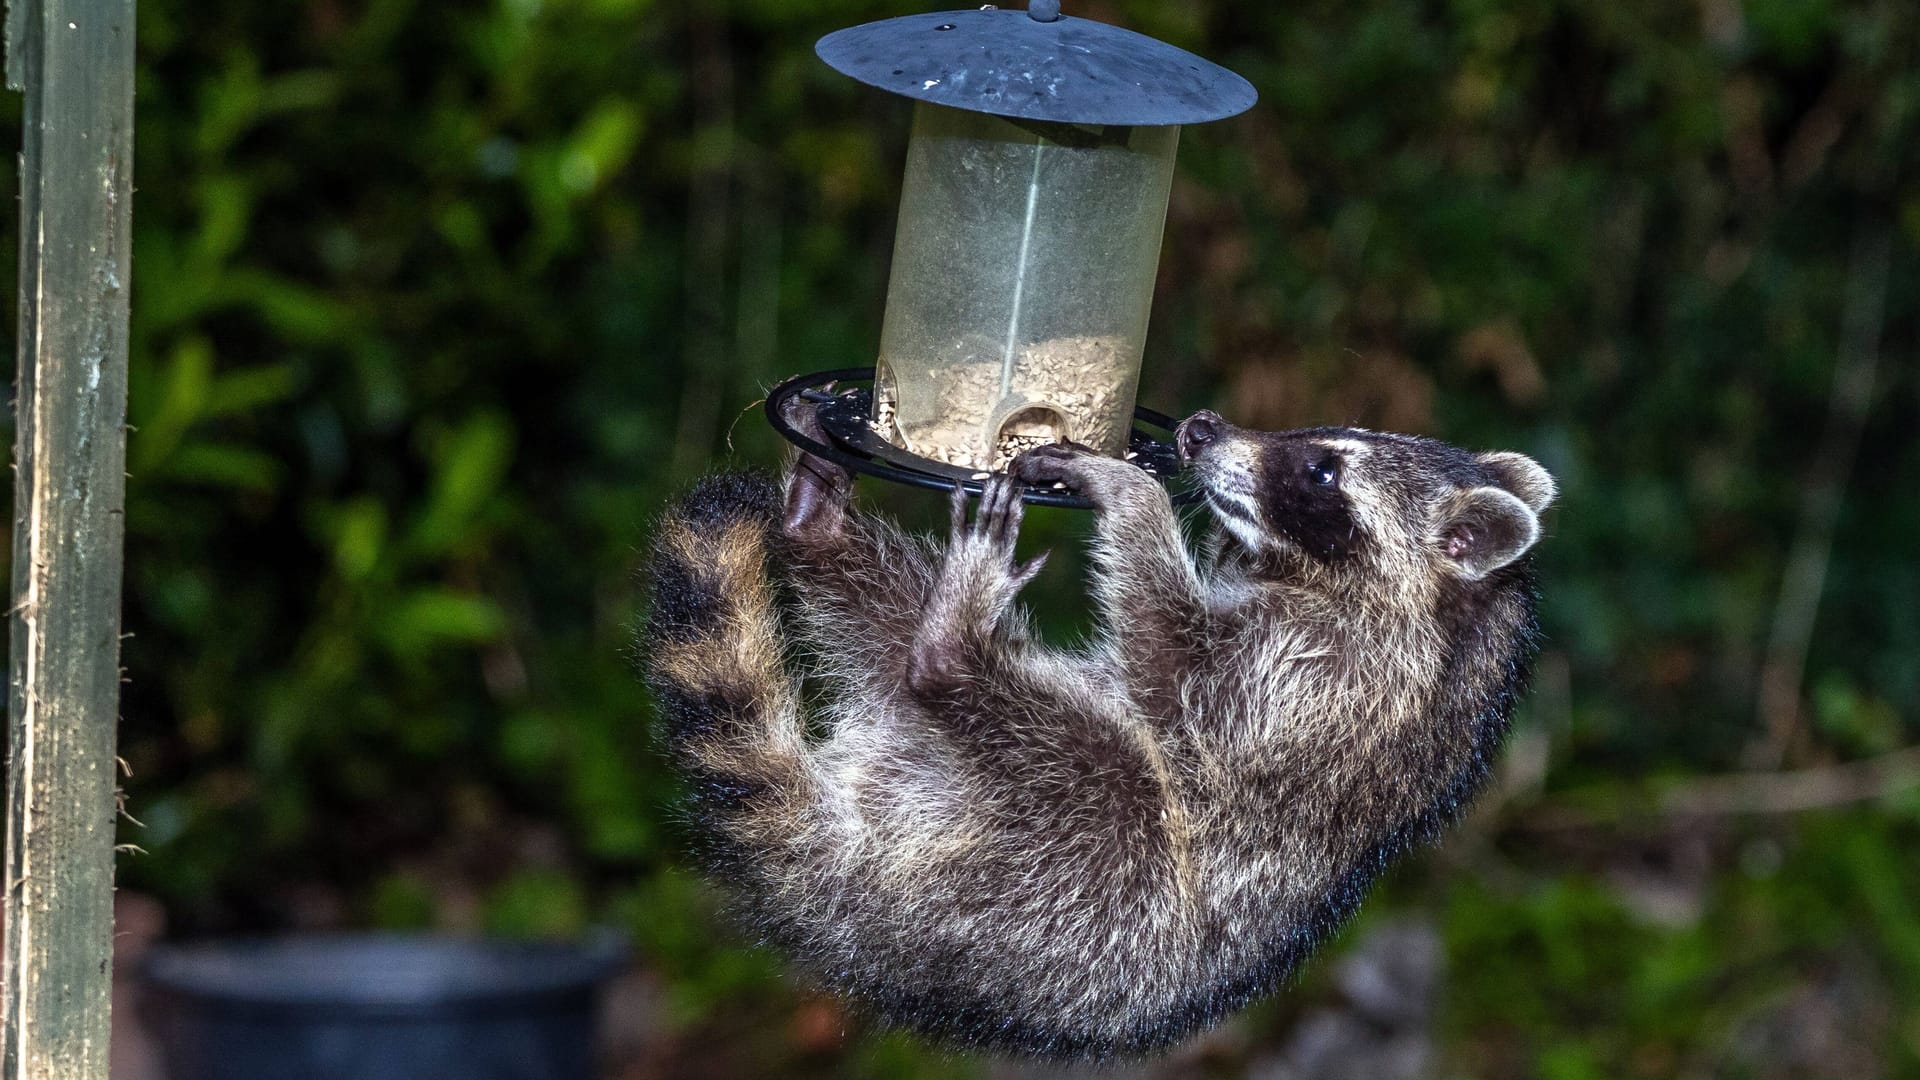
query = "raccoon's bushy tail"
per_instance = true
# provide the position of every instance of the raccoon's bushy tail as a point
(730, 714)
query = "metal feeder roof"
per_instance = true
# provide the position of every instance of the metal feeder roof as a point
(1036, 65)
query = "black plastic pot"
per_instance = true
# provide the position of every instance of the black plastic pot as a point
(377, 1007)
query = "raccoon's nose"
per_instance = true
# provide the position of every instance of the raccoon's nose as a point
(1197, 431)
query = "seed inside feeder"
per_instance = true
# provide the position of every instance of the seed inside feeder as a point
(980, 413)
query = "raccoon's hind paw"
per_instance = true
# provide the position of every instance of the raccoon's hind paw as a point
(970, 612)
(818, 490)
(995, 530)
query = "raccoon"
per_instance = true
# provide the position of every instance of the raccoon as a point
(1092, 852)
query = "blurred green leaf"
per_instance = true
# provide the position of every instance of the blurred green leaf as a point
(428, 617)
(468, 468)
(601, 145)
(359, 538)
(300, 313)
(224, 465)
(401, 902)
(185, 380)
(536, 904)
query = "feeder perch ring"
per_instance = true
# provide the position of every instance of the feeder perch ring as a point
(845, 417)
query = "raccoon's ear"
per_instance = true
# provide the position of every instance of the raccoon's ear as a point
(1522, 476)
(1488, 528)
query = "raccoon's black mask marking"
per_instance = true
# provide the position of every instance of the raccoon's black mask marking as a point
(1302, 500)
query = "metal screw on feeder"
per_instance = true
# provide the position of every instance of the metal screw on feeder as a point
(1033, 203)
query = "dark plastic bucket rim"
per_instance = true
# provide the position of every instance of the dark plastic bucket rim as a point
(382, 974)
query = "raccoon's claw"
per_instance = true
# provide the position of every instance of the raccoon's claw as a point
(957, 517)
(998, 520)
(1000, 512)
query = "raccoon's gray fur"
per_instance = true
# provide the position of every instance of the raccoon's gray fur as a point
(1092, 852)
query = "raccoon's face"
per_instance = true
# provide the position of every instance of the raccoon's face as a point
(1352, 501)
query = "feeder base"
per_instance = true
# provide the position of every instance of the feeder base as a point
(846, 415)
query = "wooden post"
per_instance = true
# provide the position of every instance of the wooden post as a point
(74, 61)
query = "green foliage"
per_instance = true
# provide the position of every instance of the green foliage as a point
(436, 304)
(1565, 971)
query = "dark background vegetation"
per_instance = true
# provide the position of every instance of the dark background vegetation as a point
(436, 303)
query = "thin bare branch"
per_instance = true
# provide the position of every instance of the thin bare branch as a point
(1733, 795)
(1804, 580)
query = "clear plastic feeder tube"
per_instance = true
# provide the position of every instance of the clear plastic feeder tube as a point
(1023, 270)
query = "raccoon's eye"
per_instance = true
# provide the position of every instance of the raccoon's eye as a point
(1324, 472)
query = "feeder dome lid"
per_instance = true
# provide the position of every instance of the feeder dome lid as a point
(1036, 65)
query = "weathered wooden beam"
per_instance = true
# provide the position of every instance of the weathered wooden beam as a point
(74, 61)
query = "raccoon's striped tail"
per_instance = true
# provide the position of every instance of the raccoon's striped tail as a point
(712, 649)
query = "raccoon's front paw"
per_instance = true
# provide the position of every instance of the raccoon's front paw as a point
(1054, 463)
(1082, 469)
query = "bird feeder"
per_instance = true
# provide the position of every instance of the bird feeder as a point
(1031, 212)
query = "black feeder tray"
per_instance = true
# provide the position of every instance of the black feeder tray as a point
(846, 415)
